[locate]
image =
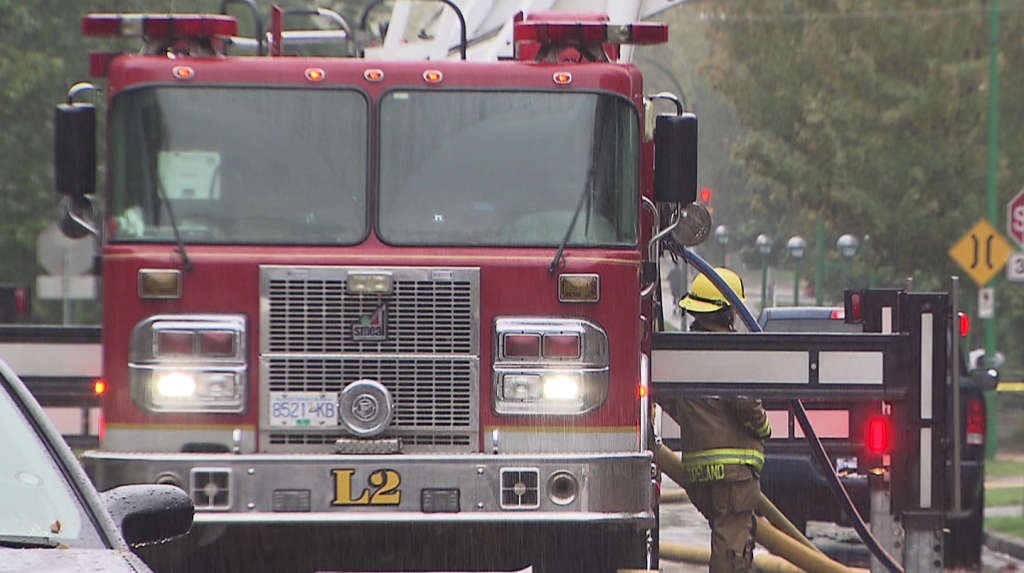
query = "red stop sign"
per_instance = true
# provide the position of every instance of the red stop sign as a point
(1015, 218)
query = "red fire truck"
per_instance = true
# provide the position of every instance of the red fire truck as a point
(387, 307)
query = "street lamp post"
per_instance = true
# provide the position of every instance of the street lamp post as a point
(722, 238)
(847, 245)
(797, 247)
(764, 246)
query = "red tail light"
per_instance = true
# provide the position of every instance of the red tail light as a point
(855, 308)
(975, 422)
(878, 435)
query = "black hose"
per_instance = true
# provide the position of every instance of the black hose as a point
(817, 450)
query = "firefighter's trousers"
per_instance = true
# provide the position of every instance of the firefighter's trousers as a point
(729, 508)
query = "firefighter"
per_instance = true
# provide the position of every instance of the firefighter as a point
(722, 442)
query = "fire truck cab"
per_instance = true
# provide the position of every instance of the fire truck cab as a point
(403, 305)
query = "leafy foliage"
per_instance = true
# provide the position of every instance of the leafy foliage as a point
(871, 117)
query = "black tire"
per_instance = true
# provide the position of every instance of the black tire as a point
(965, 538)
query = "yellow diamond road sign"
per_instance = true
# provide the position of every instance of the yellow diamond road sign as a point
(982, 252)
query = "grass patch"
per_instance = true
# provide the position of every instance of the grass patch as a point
(1009, 525)
(1001, 467)
(999, 496)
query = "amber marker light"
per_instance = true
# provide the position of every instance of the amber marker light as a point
(641, 391)
(579, 288)
(373, 75)
(315, 74)
(562, 78)
(99, 386)
(432, 76)
(183, 72)
(371, 284)
(159, 283)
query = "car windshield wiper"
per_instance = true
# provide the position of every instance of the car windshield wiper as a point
(28, 542)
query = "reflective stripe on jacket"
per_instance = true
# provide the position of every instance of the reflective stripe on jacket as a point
(721, 438)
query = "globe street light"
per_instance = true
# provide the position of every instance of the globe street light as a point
(797, 248)
(848, 246)
(764, 246)
(722, 238)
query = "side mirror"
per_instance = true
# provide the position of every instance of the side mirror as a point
(986, 378)
(149, 513)
(74, 148)
(76, 217)
(675, 158)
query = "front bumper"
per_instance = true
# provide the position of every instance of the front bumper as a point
(227, 488)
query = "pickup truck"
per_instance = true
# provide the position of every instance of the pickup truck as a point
(796, 485)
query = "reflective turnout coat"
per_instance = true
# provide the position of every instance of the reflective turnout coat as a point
(722, 439)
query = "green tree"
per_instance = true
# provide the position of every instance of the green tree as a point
(869, 116)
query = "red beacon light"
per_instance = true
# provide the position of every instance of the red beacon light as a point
(574, 36)
(158, 25)
(590, 32)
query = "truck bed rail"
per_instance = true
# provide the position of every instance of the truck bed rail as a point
(59, 364)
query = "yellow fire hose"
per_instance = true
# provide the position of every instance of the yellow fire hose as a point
(776, 533)
(762, 562)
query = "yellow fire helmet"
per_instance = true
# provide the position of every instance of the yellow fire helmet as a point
(704, 296)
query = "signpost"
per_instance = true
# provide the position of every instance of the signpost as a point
(67, 261)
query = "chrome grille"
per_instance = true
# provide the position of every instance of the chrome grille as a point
(427, 392)
(428, 359)
(430, 310)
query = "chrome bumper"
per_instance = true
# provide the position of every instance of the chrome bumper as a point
(230, 488)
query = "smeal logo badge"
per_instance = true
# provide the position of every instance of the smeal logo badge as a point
(372, 327)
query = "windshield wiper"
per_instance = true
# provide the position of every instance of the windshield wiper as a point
(572, 223)
(174, 225)
(151, 166)
(596, 151)
(28, 542)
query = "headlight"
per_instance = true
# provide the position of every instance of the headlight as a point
(562, 387)
(549, 366)
(199, 390)
(176, 385)
(189, 363)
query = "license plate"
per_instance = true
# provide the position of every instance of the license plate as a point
(300, 409)
(848, 465)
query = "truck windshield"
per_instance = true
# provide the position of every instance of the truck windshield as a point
(239, 165)
(461, 167)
